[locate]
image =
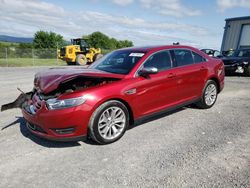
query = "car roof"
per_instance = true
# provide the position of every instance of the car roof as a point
(156, 48)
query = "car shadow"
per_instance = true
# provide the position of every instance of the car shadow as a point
(235, 75)
(55, 144)
(40, 141)
(160, 115)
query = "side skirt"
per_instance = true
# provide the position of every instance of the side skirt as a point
(146, 118)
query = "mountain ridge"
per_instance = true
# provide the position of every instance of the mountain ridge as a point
(7, 38)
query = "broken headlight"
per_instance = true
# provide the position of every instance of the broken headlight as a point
(54, 104)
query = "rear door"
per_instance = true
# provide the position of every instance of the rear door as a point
(190, 72)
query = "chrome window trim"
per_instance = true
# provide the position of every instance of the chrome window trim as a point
(206, 60)
(167, 50)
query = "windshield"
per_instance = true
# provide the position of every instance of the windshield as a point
(118, 62)
(242, 53)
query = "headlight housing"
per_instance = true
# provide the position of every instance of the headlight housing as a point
(54, 104)
(245, 62)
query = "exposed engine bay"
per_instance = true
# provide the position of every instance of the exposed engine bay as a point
(67, 86)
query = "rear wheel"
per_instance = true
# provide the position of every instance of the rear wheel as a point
(109, 122)
(81, 59)
(97, 56)
(209, 95)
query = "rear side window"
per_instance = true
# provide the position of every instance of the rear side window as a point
(183, 57)
(160, 60)
(198, 58)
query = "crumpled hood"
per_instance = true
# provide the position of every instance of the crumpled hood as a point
(49, 80)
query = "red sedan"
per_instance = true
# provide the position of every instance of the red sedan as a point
(103, 100)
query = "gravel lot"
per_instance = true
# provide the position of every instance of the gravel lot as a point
(187, 148)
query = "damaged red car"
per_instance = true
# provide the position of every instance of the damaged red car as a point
(124, 86)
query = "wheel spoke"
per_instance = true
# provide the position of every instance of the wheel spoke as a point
(102, 125)
(118, 113)
(118, 125)
(210, 94)
(114, 129)
(109, 132)
(111, 122)
(105, 130)
(103, 119)
(119, 120)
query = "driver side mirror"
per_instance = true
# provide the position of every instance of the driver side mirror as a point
(145, 72)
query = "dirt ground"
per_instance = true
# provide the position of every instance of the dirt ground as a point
(186, 148)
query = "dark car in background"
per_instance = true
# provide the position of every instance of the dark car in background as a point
(212, 53)
(239, 62)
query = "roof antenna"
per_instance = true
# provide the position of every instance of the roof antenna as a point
(176, 43)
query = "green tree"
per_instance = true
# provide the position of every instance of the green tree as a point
(124, 43)
(100, 40)
(44, 39)
(25, 45)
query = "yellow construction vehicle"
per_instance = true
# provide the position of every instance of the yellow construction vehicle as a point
(79, 53)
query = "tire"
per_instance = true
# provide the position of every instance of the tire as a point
(97, 56)
(81, 59)
(102, 127)
(209, 95)
(70, 63)
(247, 71)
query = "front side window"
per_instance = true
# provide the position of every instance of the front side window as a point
(217, 53)
(183, 57)
(160, 60)
(118, 62)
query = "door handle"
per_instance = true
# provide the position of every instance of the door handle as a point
(202, 68)
(171, 75)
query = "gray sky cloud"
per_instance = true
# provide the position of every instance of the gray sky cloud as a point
(24, 18)
(228, 4)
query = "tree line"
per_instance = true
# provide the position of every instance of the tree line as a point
(51, 40)
(45, 44)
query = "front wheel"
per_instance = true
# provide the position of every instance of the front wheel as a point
(109, 122)
(81, 59)
(209, 95)
(247, 71)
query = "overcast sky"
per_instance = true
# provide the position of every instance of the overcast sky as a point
(145, 22)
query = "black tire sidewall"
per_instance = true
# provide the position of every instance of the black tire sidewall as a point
(247, 71)
(95, 118)
(96, 56)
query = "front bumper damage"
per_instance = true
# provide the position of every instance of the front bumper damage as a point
(22, 100)
(57, 125)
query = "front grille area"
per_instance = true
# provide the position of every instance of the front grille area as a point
(37, 102)
(35, 128)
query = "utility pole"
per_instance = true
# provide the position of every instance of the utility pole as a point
(6, 55)
(33, 61)
(56, 53)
